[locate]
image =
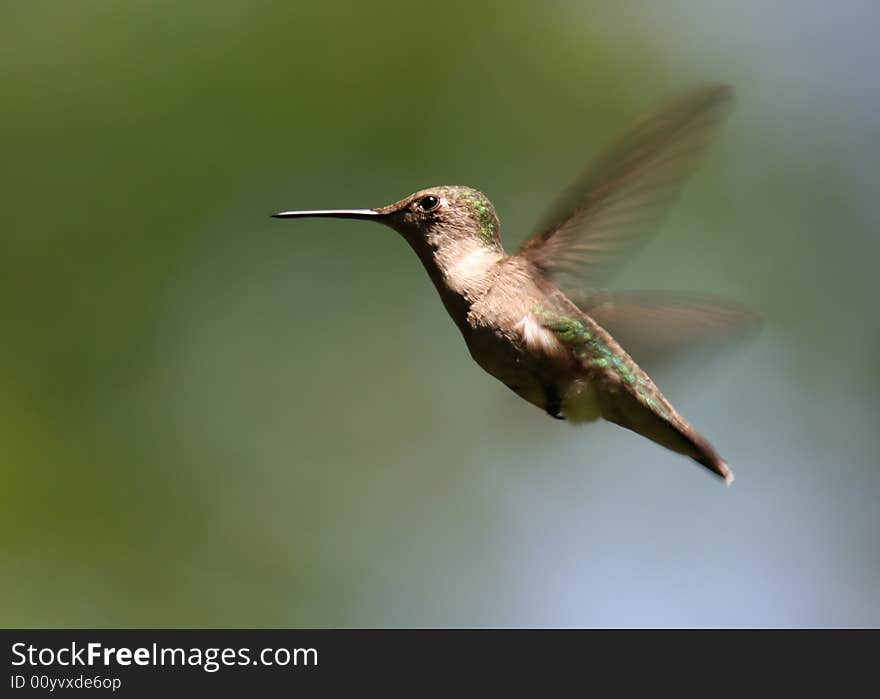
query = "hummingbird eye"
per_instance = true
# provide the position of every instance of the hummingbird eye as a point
(428, 203)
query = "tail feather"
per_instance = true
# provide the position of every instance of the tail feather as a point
(671, 431)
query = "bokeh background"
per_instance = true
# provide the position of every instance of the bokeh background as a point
(212, 418)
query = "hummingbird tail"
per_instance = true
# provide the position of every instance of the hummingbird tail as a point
(685, 440)
(709, 458)
(668, 429)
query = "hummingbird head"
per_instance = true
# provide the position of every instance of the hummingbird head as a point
(445, 214)
(433, 217)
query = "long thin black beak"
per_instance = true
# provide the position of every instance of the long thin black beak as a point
(366, 214)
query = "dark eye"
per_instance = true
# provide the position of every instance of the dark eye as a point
(428, 203)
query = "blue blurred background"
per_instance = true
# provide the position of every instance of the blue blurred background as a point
(213, 418)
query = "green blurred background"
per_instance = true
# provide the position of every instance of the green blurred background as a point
(213, 418)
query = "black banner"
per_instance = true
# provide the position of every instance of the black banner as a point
(144, 662)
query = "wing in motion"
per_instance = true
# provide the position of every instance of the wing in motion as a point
(656, 326)
(607, 213)
(627, 192)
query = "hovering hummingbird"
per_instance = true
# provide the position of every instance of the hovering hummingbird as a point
(536, 320)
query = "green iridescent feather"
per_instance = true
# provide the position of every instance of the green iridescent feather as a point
(588, 347)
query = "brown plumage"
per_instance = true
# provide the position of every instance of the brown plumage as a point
(535, 320)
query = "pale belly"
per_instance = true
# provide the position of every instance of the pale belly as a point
(551, 388)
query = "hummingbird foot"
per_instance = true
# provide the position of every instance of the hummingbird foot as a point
(553, 406)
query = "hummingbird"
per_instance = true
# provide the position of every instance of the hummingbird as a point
(539, 320)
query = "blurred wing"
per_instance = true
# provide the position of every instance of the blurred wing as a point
(627, 192)
(655, 327)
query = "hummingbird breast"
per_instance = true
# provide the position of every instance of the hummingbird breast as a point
(500, 357)
(493, 300)
(506, 339)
